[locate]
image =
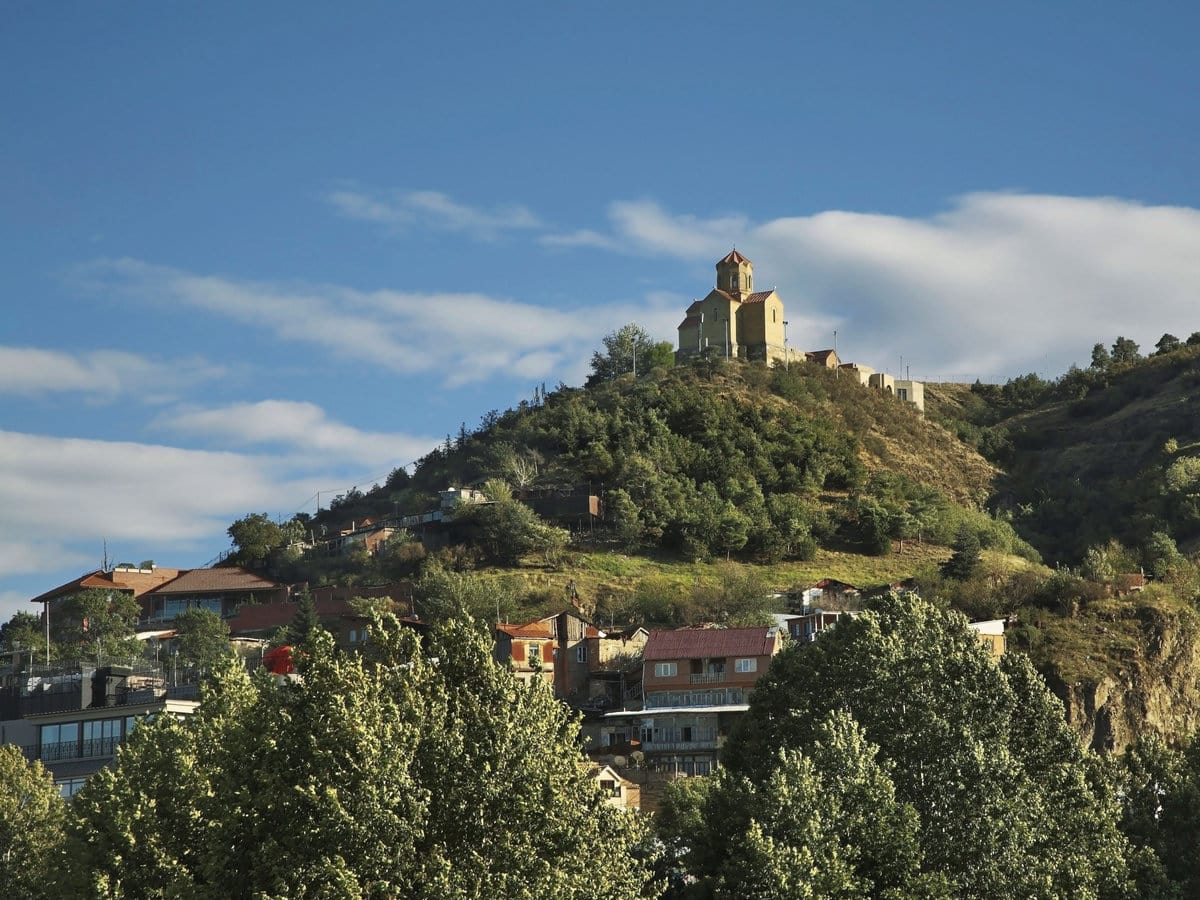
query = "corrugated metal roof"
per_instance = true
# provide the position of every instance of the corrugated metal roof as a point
(709, 642)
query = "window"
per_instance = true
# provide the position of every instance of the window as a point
(902, 393)
(100, 737)
(353, 636)
(60, 741)
(665, 670)
(533, 652)
(685, 733)
(581, 653)
(69, 787)
(746, 665)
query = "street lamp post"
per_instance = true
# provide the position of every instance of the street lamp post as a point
(728, 336)
(787, 358)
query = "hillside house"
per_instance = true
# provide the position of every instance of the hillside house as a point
(617, 791)
(809, 625)
(991, 636)
(221, 590)
(528, 649)
(828, 592)
(696, 685)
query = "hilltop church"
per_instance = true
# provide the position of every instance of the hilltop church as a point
(734, 320)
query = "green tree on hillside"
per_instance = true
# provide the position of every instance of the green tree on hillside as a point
(305, 623)
(254, 537)
(965, 561)
(95, 623)
(506, 530)
(24, 631)
(405, 771)
(202, 638)
(1125, 351)
(628, 350)
(1168, 343)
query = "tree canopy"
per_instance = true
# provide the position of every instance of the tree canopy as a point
(628, 350)
(31, 823)
(423, 772)
(1006, 803)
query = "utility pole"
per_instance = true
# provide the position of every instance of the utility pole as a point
(787, 359)
(837, 372)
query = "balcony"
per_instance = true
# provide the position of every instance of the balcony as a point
(681, 746)
(707, 678)
(91, 748)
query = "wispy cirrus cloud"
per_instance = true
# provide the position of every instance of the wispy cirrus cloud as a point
(297, 428)
(102, 374)
(401, 210)
(401, 332)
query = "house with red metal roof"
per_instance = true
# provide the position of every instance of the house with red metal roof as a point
(696, 684)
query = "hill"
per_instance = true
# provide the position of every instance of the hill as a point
(1105, 454)
(721, 459)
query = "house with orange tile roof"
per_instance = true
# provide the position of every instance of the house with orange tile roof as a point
(132, 580)
(529, 649)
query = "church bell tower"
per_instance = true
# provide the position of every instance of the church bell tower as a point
(735, 275)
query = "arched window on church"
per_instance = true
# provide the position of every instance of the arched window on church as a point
(773, 315)
(733, 282)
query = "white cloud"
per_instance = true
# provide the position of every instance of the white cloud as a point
(401, 210)
(302, 429)
(104, 374)
(400, 332)
(996, 285)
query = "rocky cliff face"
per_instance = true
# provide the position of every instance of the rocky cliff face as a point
(1156, 687)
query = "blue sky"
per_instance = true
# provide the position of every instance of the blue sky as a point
(253, 251)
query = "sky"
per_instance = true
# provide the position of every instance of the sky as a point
(253, 255)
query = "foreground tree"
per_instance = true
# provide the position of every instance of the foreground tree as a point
(1007, 803)
(826, 823)
(31, 822)
(415, 772)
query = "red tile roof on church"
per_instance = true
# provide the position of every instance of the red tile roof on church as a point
(758, 297)
(733, 257)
